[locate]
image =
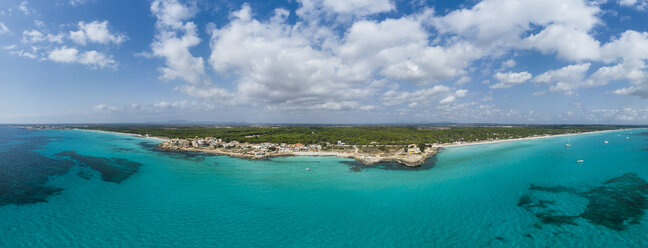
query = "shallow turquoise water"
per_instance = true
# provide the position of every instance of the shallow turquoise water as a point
(116, 191)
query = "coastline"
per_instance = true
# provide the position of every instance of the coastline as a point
(485, 142)
(405, 159)
(161, 139)
(409, 160)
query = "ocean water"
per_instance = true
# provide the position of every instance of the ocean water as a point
(75, 188)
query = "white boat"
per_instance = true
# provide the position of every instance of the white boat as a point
(307, 169)
(606, 142)
(580, 161)
(627, 137)
(567, 145)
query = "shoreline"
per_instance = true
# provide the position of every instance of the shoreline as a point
(365, 158)
(525, 138)
(161, 139)
(408, 160)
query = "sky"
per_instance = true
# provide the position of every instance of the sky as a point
(324, 61)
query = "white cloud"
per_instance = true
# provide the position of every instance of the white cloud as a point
(96, 32)
(172, 14)
(105, 108)
(175, 36)
(24, 53)
(274, 62)
(77, 2)
(64, 54)
(333, 54)
(631, 45)
(640, 5)
(632, 71)
(359, 7)
(503, 24)
(510, 79)
(628, 2)
(566, 79)
(3, 29)
(398, 49)
(565, 28)
(344, 7)
(622, 114)
(448, 99)
(461, 93)
(426, 95)
(451, 98)
(509, 63)
(24, 8)
(463, 80)
(39, 23)
(35, 36)
(92, 59)
(567, 42)
(160, 107)
(96, 59)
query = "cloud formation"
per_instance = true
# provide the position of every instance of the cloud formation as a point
(97, 32)
(174, 38)
(510, 79)
(93, 59)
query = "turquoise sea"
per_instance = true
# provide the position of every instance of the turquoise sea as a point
(76, 188)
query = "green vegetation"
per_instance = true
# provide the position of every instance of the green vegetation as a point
(354, 135)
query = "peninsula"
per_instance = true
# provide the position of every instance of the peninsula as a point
(409, 155)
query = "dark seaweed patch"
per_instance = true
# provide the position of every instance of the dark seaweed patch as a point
(113, 170)
(24, 173)
(193, 156)
(356, 166)
(618, 203)
(121, 149)
(554, 189)
(84, 174)
(548, 218)
(525, 201)
(148, 146)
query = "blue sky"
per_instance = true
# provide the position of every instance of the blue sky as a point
(324, 61)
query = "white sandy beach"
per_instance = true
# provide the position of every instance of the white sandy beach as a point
(129, 134)
(519, 139)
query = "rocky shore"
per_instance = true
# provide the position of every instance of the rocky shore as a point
(410, 155)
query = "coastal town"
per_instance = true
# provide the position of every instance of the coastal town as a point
(409, 155)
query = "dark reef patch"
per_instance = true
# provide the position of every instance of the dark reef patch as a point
(24, 173)
(121, 149)
(356, 166)
(553, 219)
(618, 203)
(148, 146)
(84, 174)
(113, 170)
(554, 189)
(193, 156)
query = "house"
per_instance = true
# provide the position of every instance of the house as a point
(413, 149)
